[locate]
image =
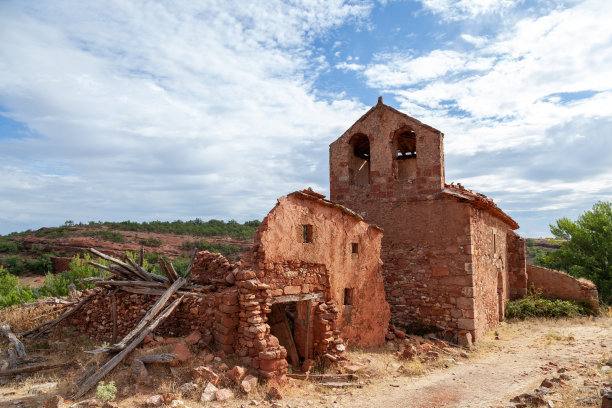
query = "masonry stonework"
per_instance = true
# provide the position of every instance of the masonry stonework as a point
(445, 248)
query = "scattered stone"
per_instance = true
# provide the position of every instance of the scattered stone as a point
(224, 394)
(463, 354)
(248, 384)
(236, 374)
(606, 368)
(274, 393)
(54, 402)
(139, 371)
(176, 404)
(109, 404)
(204, 373)
(209, 393)
(565, 377)
(432, 356)
(154, 401)
(464, 339)
(542, 391)
(547, 383)
(187, 389)
(606, 401)
(182, 354)
(193, 338)
(353, 368)
(588, 401)
(43, 388)
(409, 352)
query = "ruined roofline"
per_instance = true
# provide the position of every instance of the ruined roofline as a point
(319, 198)
(381, 105)
(478, 201)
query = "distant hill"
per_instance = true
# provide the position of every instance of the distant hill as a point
(537, 247)
(38, 252)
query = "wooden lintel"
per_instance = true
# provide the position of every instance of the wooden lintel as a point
(296, 298)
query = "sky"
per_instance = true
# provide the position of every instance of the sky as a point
(162, 110)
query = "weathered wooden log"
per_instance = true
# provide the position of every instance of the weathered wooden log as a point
(93, 380)
(42, 328)
(34, 368)
(126, 269)
(157, 292)
(325, 377)
(157, 358)
(138, 269)
(19, 347)
(73, 291)
(168, 269)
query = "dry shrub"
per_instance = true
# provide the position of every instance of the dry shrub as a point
(22, 318)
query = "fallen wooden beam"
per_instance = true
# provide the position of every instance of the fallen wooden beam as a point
(6, 330)
(93, 380)
(335, 384)
(296, 298)
(325, 377)
(157, 358)
(157, 292)
(34, 368)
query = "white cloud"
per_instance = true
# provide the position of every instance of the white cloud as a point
(172, 107)
(464, 9)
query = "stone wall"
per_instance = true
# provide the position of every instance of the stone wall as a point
(490, 269)
(342, 261)
(557, 284)
(208, 267)
(517, 265)
(95, 317)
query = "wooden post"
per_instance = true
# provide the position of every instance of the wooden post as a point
(114, 312)
(308, 306)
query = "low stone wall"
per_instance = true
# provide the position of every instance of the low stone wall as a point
(208, 267)
(95, 318)
(556, 284)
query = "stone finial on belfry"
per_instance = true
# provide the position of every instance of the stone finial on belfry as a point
(380, 102)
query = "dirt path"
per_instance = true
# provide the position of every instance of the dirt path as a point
(502, 369)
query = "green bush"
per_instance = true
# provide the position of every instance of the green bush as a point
(14, 264)
(8, 246)
(226, 250)
(11, 292)
(152, 242)
(59, 232)
(535, 305)
(106, 392)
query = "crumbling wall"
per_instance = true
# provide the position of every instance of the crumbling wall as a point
(95, 318)
(490, 269)
(341, 259)
(557, 284)
(209, 267)
(517, 265)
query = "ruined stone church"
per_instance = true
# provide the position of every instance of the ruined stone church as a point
(451, 256)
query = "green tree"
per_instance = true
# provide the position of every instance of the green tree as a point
(586, 247)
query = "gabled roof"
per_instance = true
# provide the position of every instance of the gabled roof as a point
(381, 106)
(479, 201)
(320, 198)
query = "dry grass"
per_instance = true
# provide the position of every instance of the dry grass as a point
(24, 318)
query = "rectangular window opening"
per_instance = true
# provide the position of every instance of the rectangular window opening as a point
(354, 248)
(348, 296)
(306, 233)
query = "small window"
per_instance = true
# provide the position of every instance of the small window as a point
(354, 248)
(306, 233)
(348, 296)
(494, 243)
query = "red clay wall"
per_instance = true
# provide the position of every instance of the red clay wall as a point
(327, 264)
(557, 284)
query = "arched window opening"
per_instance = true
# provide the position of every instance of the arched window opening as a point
(359, 170)
(405, 144)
